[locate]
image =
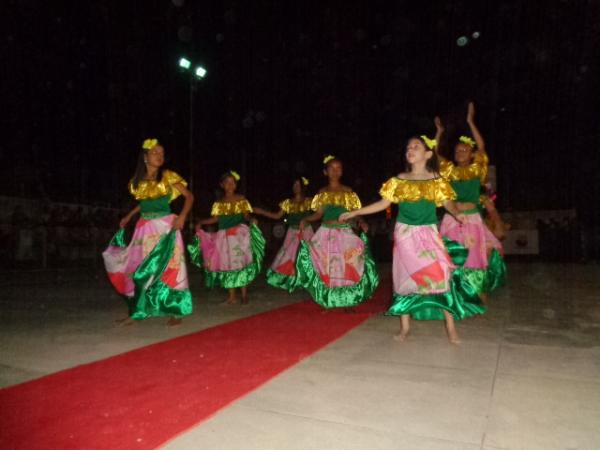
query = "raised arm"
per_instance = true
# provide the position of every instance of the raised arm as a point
(271, 215)
(370, 209)
(474, 130)
(439, 131)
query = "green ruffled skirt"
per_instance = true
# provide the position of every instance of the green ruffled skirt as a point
(229, 278)
(358, 286)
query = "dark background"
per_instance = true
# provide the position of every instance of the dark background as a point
(84, 82)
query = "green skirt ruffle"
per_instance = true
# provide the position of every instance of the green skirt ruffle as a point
(281, 281)
(337, 297)
(477, 281)
(233, 278)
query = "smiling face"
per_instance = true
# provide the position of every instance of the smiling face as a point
(334, 170)
(417, 153)
(463, 154)
(155, 157)
(229, 185)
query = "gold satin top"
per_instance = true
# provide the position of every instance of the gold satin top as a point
(348, 200)
(477, 169)
(289, 206)
(437, 190)
(151, 189)
(231, 208)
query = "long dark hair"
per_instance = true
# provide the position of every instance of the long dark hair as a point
(432, 164)
(141, 172)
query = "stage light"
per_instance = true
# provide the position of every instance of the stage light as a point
(462, 41)
(185, 63)
(476, 34)
(200, 72)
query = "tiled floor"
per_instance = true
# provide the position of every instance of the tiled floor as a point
(527, 375)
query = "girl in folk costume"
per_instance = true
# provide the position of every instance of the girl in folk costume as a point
(421, 265)
(484, 268)
(151, 270)
(231, 257)
(335, 266)
(282, 273)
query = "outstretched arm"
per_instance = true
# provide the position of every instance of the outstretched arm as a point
(271, 215)
(125, 220)
(312, 218)
(209, 221)
(370, 209)
(474, 130)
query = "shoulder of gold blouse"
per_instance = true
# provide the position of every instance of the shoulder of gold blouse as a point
(220, 208)
(346, 199)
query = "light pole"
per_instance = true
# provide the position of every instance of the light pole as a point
(198, 73)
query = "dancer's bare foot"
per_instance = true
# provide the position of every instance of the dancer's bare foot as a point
(404, 328)
(401, 336)
(174, 321)
(453, 337)
(245, 300)
(125, 321)
(484, 298)
(229, 301)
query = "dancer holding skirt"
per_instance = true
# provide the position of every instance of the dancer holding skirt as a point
(151, 271)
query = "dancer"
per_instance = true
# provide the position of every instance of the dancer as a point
(335, 266)
(421, 265)
(231, 257)
(151, 271)
(282, 273)
(484, 268)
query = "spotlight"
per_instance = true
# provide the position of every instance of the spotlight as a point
(476, 34)
(200, 72)
(462, 41)
(185, 63)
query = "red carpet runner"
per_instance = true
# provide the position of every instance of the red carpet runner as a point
(143, 398)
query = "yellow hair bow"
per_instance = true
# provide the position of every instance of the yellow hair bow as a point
(235, 175)
(149, 143)
(430, 143)
(328, 158)
(467, 140)
(305, 181)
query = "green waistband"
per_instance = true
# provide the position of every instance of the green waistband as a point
(154, 214)
(335, 225)
(468, 212)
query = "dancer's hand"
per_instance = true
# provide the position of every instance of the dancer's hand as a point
(179, 222)
(302, 225)
(363, 225)
(461, 218)
(345, 216)
(438, 124)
